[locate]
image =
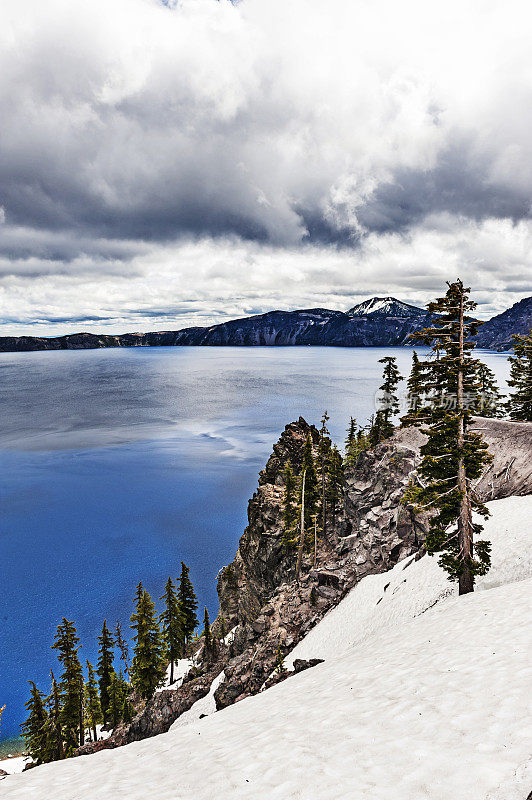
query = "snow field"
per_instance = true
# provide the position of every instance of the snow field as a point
(429, 704)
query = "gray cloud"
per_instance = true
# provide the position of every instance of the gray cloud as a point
(141, 141)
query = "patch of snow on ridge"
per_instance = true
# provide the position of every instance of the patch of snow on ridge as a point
(412, 587)
(202, 707)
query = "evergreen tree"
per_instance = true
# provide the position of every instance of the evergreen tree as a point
(324, 448)
(351, 447)
(378, 429)
(172, 625)
(389, 402)
(92, 701)
(148, 667)
(188, 604)
(104, 669)
(207, 635)
(122, 646)
(416, 385)
(351, 434)
(127, 714)
(289, 508)
(54, 745)
(312, 490)
(453, 456)
(487, 401)
(71, 685)
(118, 690)
(34, 727)
(520, 403)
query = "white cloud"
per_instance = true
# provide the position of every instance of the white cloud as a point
(218, 149)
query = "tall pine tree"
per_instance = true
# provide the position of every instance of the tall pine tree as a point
(148, 666)
(520, 403)
(172, 625)
(104, 669)
(188, 603)
(453, 456)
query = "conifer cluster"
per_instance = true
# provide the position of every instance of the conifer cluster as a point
(76, 706)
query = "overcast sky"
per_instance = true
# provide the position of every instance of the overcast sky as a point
(181, 164)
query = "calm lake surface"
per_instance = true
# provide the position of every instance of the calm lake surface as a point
(115, 465)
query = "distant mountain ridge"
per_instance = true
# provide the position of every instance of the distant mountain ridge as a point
(376, 322)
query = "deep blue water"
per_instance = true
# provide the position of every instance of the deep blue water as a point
(115, 465)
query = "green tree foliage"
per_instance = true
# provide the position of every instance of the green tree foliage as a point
(324, 449)
(520, 403)
(453, 456)
(172, 625)
(148, 666)
(416, 386)
(487, 401)
(188, 604)
(312, 489)
(290, 505)
(34, 727)
(118, 690)
(71, 685)
(92, 701)
(122, 647)
(106, 657)
(382, 427)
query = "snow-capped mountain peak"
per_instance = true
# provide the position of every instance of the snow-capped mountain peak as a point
(385, 306)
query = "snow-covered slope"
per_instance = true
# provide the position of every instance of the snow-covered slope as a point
(389, 306)
(426, 707)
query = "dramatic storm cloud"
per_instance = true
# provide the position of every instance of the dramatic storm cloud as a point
(177, 165)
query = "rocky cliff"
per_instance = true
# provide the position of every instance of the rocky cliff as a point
(267, 610)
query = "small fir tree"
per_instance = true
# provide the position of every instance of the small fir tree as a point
(54, 744)
(312, 489)
(519, 405)
(416, 385)
(34, 727)
(188, 604)
(172, 625)
(71, 684)
(289, 508)
(92, 701)
(389, 402)
(122, 647)
(105, 669)
(118, 689)
(148, 667)
(487, 401)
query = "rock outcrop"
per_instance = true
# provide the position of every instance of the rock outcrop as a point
(267, 610)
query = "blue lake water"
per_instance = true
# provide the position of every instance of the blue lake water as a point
(115, 465)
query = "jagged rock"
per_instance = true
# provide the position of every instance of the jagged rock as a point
(301, 664)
